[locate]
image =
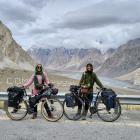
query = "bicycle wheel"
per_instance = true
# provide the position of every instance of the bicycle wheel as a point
(71, 112)
(108, 115)
(19, 114)
(55, 107)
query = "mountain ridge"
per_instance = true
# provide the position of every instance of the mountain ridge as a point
(68, 59)
(112, 63)
(125, 60)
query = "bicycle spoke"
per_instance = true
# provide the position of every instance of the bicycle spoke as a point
(72, 113)
(108, 115)
(17, 114)
(53, 111)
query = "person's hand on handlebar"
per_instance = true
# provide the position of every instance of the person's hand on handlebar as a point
(103, 88)
(22, 87)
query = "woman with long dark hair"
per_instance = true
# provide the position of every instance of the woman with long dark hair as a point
(39, 78)
(87, 82)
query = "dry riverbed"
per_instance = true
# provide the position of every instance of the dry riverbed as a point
(12, 77)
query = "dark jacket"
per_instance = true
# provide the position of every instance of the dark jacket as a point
(88, 79)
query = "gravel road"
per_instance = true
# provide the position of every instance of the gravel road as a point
(126, 128)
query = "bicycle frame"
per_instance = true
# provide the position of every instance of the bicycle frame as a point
(94, 108)
(85, 99)
(27, 99)
(77, 96)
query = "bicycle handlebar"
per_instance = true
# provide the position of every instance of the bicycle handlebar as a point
(101, 89)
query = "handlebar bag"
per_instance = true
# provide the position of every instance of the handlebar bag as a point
(74, 88)
(54, 91)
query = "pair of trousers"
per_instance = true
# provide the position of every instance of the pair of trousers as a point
(46, 108)
(87, 98)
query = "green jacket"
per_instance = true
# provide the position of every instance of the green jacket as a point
(88, 79)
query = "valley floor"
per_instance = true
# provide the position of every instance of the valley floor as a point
(62, 81)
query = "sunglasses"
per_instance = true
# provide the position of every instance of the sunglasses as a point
(39, 67)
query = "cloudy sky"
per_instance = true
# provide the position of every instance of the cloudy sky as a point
(71, 23)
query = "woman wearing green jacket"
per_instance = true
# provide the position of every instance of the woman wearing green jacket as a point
(87, 80)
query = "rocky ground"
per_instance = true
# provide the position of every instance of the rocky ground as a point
(12, 77)
(132, 77)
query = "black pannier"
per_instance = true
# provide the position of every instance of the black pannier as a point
(74, 88)
(70, 100)
(109, 98)
(15, 96)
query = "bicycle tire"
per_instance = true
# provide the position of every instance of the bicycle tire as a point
(73, 118)
(46, 116)
(109, 120)
(14, 118)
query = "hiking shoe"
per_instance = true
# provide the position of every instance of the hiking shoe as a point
(34, 115)
(84, 115)
(77, 116)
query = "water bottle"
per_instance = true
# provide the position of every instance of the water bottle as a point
(93, 102)
(26, 98)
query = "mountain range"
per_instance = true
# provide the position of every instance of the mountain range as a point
(122, 62)
(67, 59)
(112, 63)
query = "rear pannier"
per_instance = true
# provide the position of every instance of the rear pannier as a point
(15, 96)
(109, 98)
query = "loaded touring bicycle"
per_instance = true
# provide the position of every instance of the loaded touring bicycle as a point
(105, 103)
(20, 104)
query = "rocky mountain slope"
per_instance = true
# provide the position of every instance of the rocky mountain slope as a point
(125, 60)
(11, 54)
(133, 77)
(112, 63)
(67, 59)
(109, 53)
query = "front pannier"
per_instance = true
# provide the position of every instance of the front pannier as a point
(70, 100)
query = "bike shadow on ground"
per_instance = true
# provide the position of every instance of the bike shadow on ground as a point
(126, 116)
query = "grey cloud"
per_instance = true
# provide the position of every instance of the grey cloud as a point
(102, 14)
(110, 22)
(35, 3)
(36, 31)
(16, 13)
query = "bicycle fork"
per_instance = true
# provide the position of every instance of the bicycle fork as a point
(48, 106)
